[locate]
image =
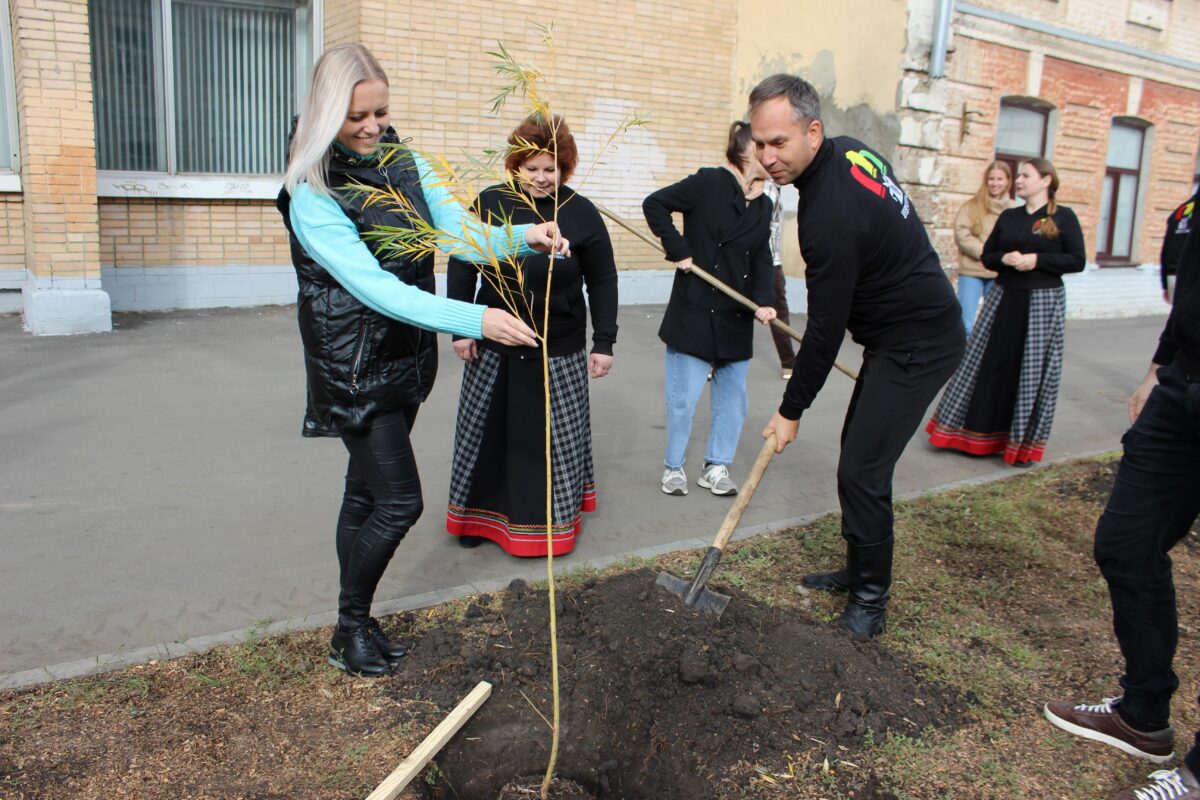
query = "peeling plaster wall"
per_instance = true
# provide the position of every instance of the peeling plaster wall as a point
(851, 52)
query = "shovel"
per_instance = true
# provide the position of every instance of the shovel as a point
(695, 594)
(720, 286)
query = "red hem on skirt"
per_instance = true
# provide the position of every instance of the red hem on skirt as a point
(983, 444)
(495, 527)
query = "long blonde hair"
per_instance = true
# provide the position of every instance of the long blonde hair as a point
(1048, 227)
(979, 205)
(339, 70)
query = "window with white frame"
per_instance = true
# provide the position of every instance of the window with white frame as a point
(1118, 203)
(197, 87)
(1021, 131)
(9, 142)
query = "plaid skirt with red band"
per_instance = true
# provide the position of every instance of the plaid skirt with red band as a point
(498, 479)
(1002, 398)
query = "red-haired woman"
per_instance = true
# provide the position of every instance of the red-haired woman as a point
(498, 480)
(1002, 398)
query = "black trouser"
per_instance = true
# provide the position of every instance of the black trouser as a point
(893, 392)
(783, 342)
(1153, 503)
(381, 502)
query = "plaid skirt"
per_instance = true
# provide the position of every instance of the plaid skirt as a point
(498, 480)
(1002, 398)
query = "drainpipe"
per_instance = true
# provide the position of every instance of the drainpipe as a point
(941, 37)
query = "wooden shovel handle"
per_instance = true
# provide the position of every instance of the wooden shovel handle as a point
(720, 285)
(746, 493)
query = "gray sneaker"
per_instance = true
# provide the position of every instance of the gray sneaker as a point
(674, 482)
(1166, 784)
(715, 478)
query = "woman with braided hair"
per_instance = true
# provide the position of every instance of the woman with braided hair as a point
(1002, 398)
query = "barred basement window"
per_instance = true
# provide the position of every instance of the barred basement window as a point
(197, 86)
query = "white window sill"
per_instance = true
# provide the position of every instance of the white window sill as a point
(156, 185)
(10, 182)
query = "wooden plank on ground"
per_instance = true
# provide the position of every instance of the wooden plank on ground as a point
(409, 768)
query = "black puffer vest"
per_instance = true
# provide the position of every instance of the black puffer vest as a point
(359, 362)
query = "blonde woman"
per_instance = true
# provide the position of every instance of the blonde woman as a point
(1002, 397)
(366, 318)
(972, 227)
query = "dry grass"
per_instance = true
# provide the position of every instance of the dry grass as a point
(996, 595)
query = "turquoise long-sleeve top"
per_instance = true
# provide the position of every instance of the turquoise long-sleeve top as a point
(332, 240)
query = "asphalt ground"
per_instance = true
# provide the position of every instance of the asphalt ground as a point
(156, 496)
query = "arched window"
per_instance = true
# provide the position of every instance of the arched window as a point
(1119, 200)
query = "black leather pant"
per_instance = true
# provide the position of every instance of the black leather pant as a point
(382, 501)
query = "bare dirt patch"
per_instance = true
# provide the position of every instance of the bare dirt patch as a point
(997, 608)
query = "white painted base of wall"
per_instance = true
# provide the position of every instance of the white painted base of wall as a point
(59, 309)
(165, 288)
(1096, 293)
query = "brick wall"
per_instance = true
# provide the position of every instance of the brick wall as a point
(187, 233)
(1086, 98)
(52, 72)
(12, 233)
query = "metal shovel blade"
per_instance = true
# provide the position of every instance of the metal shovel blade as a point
(707, 600)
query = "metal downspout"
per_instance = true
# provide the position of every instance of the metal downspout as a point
(941, 37)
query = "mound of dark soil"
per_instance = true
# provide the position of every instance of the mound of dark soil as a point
(656, 698)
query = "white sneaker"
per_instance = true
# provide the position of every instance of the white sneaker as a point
(786, 374)
(674, 482)
(715, 478)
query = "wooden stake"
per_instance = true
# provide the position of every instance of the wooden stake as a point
(409, 768)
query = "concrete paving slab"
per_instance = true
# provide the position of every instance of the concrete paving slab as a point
(156, 497)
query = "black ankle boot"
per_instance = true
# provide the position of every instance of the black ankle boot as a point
(391, 651)
(470, 542)
(865, 617)
(354, 651)
(839, 580)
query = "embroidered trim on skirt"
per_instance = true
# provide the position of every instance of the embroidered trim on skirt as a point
(1002, 397)
(498, 479)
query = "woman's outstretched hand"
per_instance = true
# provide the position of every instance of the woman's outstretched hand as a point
(541, 238)
(501, 326)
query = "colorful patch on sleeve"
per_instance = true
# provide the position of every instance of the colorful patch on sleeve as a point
(871, 173)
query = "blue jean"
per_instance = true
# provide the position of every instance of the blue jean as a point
(686, 378)
(971, 291)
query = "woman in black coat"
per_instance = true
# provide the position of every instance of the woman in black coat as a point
(726, 231)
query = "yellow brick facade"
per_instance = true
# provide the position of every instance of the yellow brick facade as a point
(685, 67)
(52, 76)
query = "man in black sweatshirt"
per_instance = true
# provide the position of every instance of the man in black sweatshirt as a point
(870, 269)
(1153, 504)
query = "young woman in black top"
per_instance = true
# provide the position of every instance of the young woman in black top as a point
(498, 484)
(1002, 398)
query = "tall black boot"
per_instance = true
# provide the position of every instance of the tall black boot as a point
(864, 617)
(838, 580)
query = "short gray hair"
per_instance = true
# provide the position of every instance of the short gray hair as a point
(805, 102)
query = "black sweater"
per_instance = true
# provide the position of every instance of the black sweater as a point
(1180, 340)
(726, 236)
(869, 265)
(1179, 225)
(591, 264)
(1017, 229)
